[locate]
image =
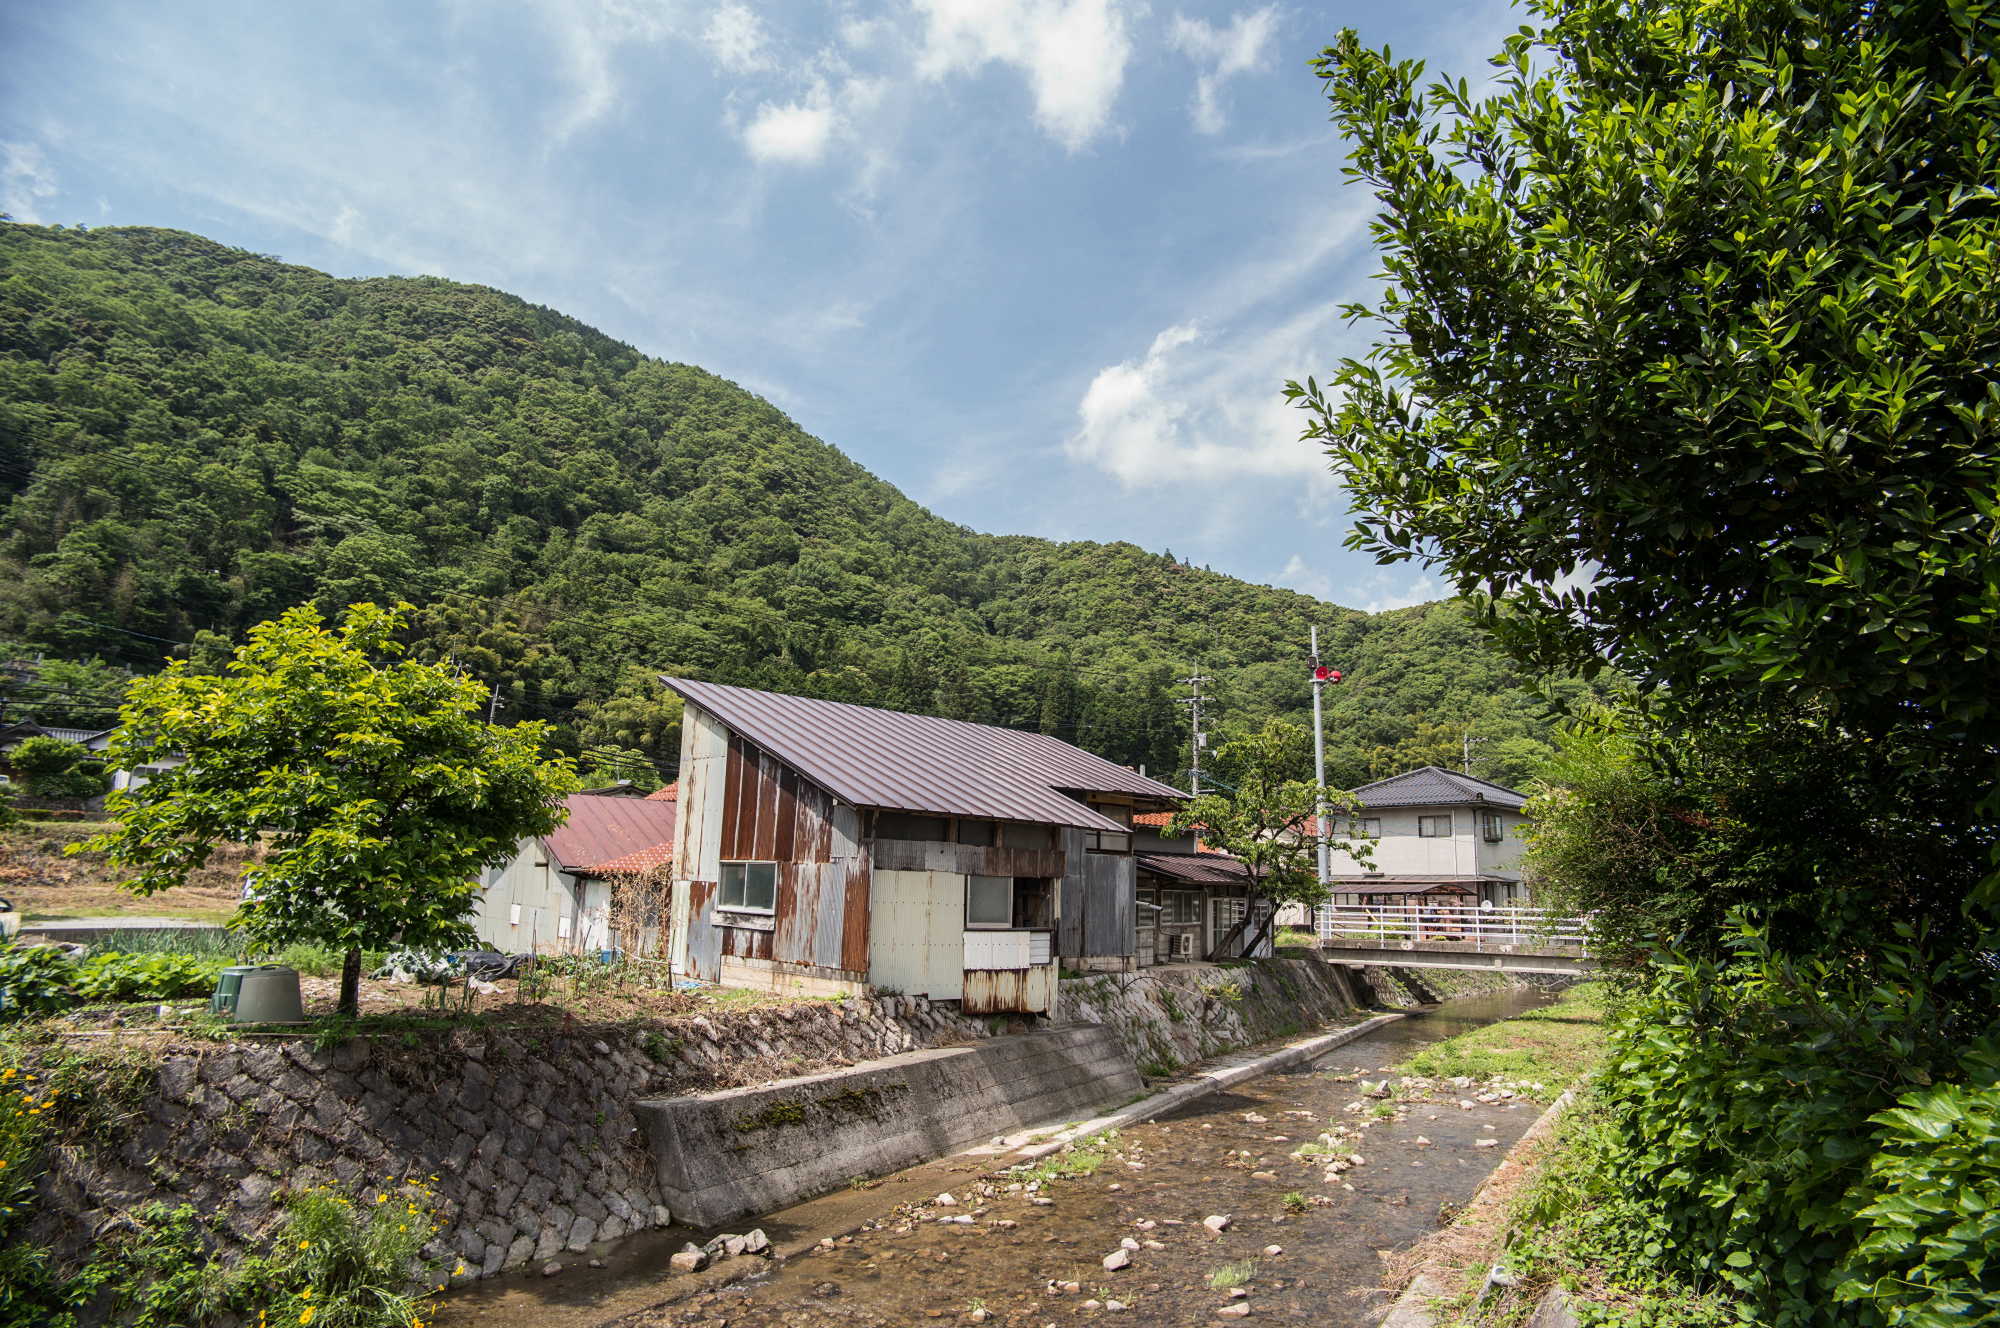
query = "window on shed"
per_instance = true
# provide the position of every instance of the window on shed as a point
(1489, 826)
(989, 901)
(1434, 827)
(901, 825)
(749, 886)
(1182, 906)
(975, 832)
(1034, 902)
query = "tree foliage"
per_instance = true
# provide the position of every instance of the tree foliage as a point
(1686, 348)
(1268, 821)
(377, 788)
(194, 438)
(56, 768)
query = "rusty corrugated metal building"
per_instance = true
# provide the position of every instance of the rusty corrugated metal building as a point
(831, 847)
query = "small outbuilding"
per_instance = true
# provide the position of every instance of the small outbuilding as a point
(555, 894)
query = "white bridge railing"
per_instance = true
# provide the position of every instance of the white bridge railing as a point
(1413, 926)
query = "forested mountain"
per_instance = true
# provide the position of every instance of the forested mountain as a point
(193, 438)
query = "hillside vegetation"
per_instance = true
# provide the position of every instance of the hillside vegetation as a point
(193, 438)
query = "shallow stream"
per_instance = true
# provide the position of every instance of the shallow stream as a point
(1228, 1154)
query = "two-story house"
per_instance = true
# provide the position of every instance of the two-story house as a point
(1437, 836)
(825, 847)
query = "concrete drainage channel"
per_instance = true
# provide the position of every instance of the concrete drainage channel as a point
(709, 1267)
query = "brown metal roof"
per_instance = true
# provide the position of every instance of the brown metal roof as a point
(1403, 885)
(919, 763)
(1194, 868)
(605, 829)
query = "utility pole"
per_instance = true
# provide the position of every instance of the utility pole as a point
(1466, 764)
(493, 706)
(1319, 762)
(1196, 738)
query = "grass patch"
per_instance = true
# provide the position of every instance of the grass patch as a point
(1081, 1158)
(1552, 1046)
(1232, 1275)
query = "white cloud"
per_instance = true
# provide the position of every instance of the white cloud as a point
(795, 134)
(1172, 417)
(1389, 589)
(25, 178)
(1073, 53)
(589, 34)
(735, 36)
(1224, 53)
(1305, 577)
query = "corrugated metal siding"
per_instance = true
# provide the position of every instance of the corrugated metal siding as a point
(917, 943)
(704, 938)
(1010, 991)
(845, 838)
(1099, 903)
(884, 758)
(967, 859)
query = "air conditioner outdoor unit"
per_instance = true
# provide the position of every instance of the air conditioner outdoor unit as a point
(1183, 945)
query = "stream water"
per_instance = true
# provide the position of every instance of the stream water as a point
(1228, 1154)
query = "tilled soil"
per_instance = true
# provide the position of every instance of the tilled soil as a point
(1305, 1236)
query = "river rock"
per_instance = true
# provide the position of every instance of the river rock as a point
(756, 1242)
(689, 1261)
(1128, 1244)
(1485, 1143)
(1239, 1310)
(1117, 1259)
(1216, 1222)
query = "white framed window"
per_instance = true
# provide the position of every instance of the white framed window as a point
(989, 901)
(749, 887)
(1182, 906)
(1434, 827)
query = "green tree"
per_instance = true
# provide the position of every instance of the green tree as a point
(1266, 820)
(376, 787)
(1686, 351)
(56, 768)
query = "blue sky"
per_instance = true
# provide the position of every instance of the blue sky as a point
(1045, 265)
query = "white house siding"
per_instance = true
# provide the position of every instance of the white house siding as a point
(1400, 851)
(704, 780)
(529, 906)
(916, 937)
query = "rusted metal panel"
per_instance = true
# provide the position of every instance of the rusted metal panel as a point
(812, 913)
(1010, 990)
(704, 938)
(843, 839)
(966, 859)
(919, 763)
(732, 801)
(789, 813)
(744, 943)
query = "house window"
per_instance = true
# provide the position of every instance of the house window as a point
(1489, 826)
(975, 832)
(989, 901)
(1365, 827)
(1434, 827)
(1182, 906)
(898, 825)
(749, 886)
(1008, 902)
(1105, 841)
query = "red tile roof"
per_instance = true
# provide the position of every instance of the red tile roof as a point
(605, 832)
(671, 793)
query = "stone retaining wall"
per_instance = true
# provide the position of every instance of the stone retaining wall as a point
(530, 1132)
(1172, 1016)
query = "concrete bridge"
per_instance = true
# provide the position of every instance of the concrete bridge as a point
(1512, 940)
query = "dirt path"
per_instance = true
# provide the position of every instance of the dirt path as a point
(1303, 1237)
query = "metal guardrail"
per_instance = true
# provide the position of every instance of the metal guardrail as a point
(1478, 930)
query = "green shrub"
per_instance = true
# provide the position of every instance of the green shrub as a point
(34, 979)
(145, 977)
(1742, 1091)
(200, 942)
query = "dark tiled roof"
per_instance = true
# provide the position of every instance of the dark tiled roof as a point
(918, 763)
(604, 830)
(1434, 786)
(13, 733)
(1194, 868)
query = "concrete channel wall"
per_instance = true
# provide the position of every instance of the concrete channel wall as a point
(730, 1154)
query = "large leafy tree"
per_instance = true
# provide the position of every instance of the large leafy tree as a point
(375, 785)
(1687, 350)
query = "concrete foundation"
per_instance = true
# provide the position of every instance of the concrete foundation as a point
(728, 1154)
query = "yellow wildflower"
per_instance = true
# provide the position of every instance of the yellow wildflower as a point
(305, 1244)
(306, 1315)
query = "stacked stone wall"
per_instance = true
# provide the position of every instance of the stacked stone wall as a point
(529, 1132)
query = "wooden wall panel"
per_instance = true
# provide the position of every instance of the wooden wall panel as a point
(967, 859)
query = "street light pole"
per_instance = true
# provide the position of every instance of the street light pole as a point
(1319, 760)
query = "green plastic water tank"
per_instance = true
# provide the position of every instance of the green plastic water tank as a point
(228, 987)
